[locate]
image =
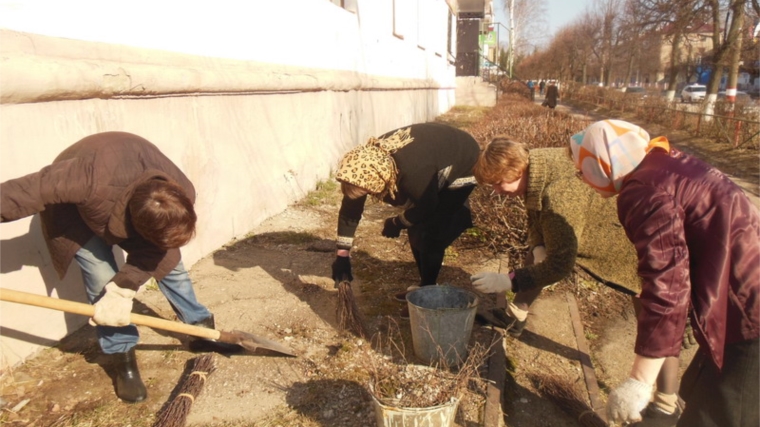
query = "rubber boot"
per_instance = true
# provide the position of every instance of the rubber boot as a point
(205, 345)
(129, 385)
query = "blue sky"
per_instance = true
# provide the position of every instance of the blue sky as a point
(558, 14)
(562, 12)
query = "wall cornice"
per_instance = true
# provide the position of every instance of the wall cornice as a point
(38, 68)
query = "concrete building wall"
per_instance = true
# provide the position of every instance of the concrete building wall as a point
(255, 101)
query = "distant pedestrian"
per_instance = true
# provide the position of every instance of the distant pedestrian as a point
(532, 88)
(552, 96)
(541, 87)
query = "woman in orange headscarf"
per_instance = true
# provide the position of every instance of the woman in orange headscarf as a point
(697, 237)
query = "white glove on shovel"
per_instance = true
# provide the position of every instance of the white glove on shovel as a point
(490, 283)
(114, 307)
(625, 403)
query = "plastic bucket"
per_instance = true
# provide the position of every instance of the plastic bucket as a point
(441, 318)
(435, 416)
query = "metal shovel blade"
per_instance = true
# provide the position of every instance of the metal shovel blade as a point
(251, 342)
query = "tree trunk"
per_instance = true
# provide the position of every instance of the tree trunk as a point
(735, 36)
(585, 66)
(731, 48)
(674, 62)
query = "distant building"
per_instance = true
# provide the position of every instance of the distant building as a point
(696, 45)
(473, 16)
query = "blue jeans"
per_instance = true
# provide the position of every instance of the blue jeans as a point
(98, 267)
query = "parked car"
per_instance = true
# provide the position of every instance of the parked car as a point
(636, 91)
(693, 92)
(743, 101)
(741, 97)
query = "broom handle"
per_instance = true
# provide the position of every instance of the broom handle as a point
(67, 306)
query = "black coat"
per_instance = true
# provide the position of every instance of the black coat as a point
(552, 96)
(439, 159)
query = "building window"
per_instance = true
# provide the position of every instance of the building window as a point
(451, 34)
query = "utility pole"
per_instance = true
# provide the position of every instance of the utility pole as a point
(497, 54)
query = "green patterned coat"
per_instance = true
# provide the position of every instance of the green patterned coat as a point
(576, 225)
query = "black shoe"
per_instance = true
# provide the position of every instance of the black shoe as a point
(513, 326)
(129, 385)
(653, 416)
(202, 345)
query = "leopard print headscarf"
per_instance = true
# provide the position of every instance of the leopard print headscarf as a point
(371, 166)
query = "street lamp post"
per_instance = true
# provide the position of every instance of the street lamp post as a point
(498, 43)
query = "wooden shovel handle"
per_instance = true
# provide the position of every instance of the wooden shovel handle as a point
(89, 310)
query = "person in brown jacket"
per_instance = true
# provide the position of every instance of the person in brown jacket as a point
(568, 225)
(116, 188)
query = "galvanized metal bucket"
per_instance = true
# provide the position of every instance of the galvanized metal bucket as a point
(441, 318)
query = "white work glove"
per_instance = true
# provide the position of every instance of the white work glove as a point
(539, 254)
(114, 307)
(490, 283)
(625, 403)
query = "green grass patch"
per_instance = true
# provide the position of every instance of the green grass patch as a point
(326, 192)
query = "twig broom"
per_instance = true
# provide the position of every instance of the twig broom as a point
(347, 311)
(175, 411)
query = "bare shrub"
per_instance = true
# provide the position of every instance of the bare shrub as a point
(515, 87)
(501, 221)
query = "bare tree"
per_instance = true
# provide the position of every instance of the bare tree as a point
(672, 19)
(735, 40)
(751, 43)
(587, 33)
(526, 17)
(727, 51)
(637, 40)
(630, 34)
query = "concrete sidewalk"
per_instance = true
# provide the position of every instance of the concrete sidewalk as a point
(474, 92)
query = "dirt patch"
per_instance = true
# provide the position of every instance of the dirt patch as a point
(275, 283)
